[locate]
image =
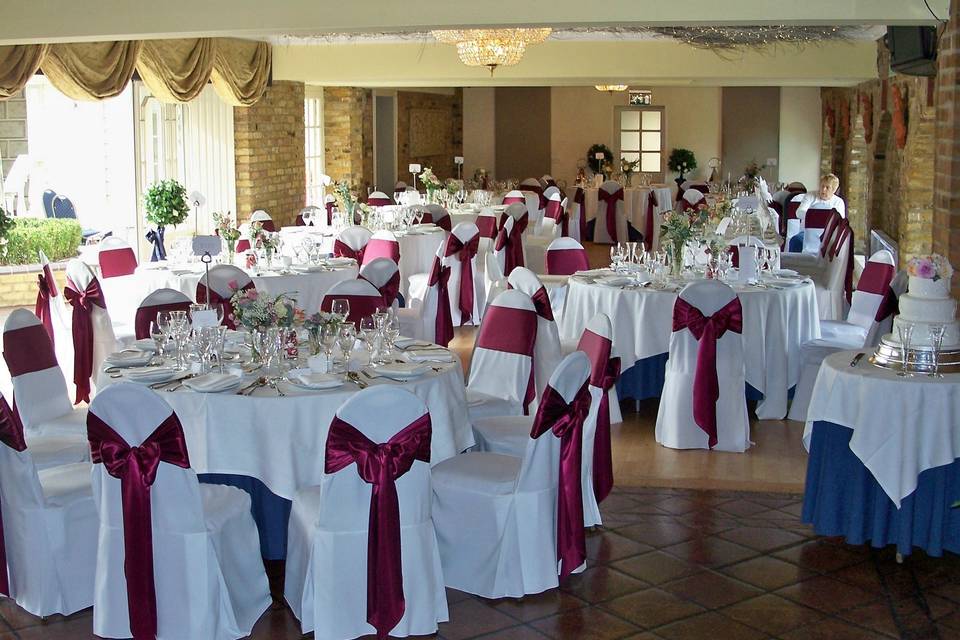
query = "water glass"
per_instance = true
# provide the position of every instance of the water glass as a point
(936, 340)
(159, 336)
(340, 308)
(346, 340)
(906, 333)
(368, 333)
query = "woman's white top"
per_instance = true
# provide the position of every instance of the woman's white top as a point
(813, 201)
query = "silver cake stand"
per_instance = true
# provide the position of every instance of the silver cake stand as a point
(888, 356)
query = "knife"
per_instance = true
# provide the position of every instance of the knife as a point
(856, 359)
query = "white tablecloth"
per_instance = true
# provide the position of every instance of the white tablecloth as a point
(775, 323)
(280, 440)
(634, 206)
(901, 426)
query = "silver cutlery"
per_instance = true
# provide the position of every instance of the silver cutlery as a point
(354, 378)
(856, 359)
(248, 389)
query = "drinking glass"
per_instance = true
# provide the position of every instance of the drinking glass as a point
(340, 308)
(159, 336)
(936, 340)
(201, 345)
(905, 330)
(219, 339)
(328, 338)
(391, 331)
(368, 333)
(346, 340)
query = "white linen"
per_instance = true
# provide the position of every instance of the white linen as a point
(775, 323)
(281, 440)
(901, 426)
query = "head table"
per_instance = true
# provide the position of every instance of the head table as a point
(884, 451)
(280, 440)
(778, 316)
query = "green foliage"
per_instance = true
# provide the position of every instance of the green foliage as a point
(591, 156)
(58, 238)
(682, 161)
(6, 223)
(166, 203)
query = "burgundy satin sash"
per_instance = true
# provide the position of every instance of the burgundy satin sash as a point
(243, 245)
(512, 331)
(843, 232)
(553, 210)
(603, 375)
(268, 225)
(378, 202)
(343, 250)
(42, 306)
(509, 243)
(360, 306)
(512, 199)
(579, 198)
(83, 303)
(487, 226)
(566, 422)
(28, 349)
(380, 465)
(329, 207)
(876, 279)
(211, 297)
(443, 222)
(11, 434)
(520, 224)
(379, 248)
(136, 468)
(610, 201)
(541, 302)
(145, 315)
(299, 221)
(465, 254)
(389, 289)
(707, 330)
(443, 325)
(566, 262)
(829, 236)
(649, 229)
(117, 262)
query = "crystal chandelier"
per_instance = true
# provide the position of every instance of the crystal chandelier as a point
(491, 48)
(611, 87)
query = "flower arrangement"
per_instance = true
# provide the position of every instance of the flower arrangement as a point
(592, 161)
(429, 181)
(682, 161)
(257, 312)
(346, 201)
(260, 238)
(930, 267)
(606, 169)
(166, 203)
(453, 186)
(629, 167)
(751, 174)
(678, 228)
(226, 229)
(481, 178)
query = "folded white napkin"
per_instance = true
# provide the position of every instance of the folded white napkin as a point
(429, 355)
(308, 378)
(128, 358)
(146, 344)
(339, 262)
(614, 281)
(213, 382)
(406, 343)
(153, 374)
(402, 370)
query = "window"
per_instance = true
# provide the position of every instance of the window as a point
(313, 145)
(641, 136)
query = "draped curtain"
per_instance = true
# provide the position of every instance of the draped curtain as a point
(174, 70)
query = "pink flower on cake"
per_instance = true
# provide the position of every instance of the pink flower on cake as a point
(930, 267)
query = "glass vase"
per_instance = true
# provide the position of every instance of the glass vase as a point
(676, 262)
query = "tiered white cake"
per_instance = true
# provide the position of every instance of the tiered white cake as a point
(927, 303)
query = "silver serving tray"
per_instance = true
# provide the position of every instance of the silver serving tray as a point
(888, 356)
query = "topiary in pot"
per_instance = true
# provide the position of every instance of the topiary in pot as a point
(682, 161)
(166, 204)
(595, 164)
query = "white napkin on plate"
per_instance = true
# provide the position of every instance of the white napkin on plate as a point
(614, 281)
(406, 343)
(146, 344)
(213, 382)
(429, 355)
(402, 370)
(312, 380)
(153, 374)
(339, 262)
(128, 358)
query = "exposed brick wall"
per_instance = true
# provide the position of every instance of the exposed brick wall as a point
(441, 163)
(13, 130)
(268, 138)
(348, 135)
(946, 237)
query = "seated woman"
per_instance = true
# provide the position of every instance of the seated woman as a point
(825, 198)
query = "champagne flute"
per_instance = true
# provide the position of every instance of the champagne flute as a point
(906, 332)
(936, 340)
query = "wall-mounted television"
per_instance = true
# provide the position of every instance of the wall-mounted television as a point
(913, 50)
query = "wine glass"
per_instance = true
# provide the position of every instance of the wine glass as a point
(346, 339)
(936, 341)
(159, 335)
(328, 338)
(368, 333)
(340, 308)
(905, 329)
(391, 331)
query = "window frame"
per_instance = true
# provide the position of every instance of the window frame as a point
(618, 131)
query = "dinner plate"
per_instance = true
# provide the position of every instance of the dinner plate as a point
(307, 379)
(151, 375)
(128, 358)
(213, 382)
(402, 370)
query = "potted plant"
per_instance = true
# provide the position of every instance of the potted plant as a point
(681, 162)
(596, 164)
(166, 204)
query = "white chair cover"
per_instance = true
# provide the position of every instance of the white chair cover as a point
(104, 340)
(384, 274)
(326, 568)
(575, 211)
(494, 280)
(116, 256)
(600, 232)
(60, 319)
(546, 350)
(155, 302)
(48, 450)
(464, 234)
(49, 532)
(499, 380)
(695, 196)
(496, 515)
(438, 213)
(364, 298)
(210, 581)
(812, 235)
(264, 218)
(355, 237)
(676, 427)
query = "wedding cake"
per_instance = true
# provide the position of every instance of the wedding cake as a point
(928, 303)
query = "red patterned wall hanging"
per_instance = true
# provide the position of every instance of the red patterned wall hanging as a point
(866, 107)
(831, 122)
(899, 116)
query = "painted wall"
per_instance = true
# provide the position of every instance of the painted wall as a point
(582, 116)
(800, 135)
(523, 132)
(479, 130)
(751, 129)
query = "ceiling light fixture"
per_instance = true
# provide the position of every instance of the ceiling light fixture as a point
(492, 48)
(611, 87)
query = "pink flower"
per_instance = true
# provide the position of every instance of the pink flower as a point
(925, 269)
(252, 294)
(233, 285)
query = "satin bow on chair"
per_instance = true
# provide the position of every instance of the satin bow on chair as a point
(440, 276)
(83, 303)
(11, 434)
(512, 245)
(610, 200)
(465, 254)
(155, 236)
(649, 228)
(602, 446)
(707, 330)
(136, 468)
(579, 198)
(42, 307)
(381, 465)
(541, 302)
(565, 420)
(343, 250)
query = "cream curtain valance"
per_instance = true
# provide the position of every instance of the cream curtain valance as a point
(174, 70)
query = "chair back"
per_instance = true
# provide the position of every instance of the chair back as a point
(566, 256)
(874, 302)
(224, 280)
(514, 197)
(116, 258)
(39, 387)
(436, 214)
(379, 199)
(311, 215)
(266, 222)
(816, 223)
(464, 241)
(575, 213)
(508, 247)
(547, 180)
(47, 199)
(352, 242)
(382, 244)
(81, 278)
(496, 282)
(502, 363)
(154, 303)
(610, 225)
(487, 223)
(546, 352)
(708, 297)
(384, 274)
(693, 197)
(63, 208)
(364, 299)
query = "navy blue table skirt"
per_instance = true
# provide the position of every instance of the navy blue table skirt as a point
(645, 380)
(270, 511)
(842, 498)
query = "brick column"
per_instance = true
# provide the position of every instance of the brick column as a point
(946, 238)
(269, 150)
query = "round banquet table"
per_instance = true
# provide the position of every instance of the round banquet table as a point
(776, 321)
(272, 446)
(634, 206)
(884, 451)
